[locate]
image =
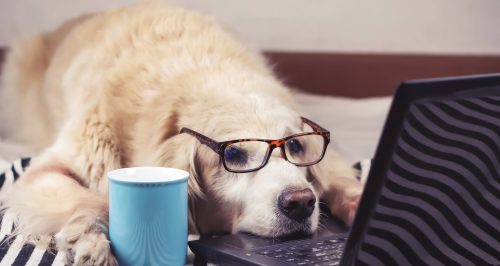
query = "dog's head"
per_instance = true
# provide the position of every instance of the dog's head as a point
(275, 200)
(278, 199)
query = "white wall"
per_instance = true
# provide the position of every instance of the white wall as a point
(397, 26)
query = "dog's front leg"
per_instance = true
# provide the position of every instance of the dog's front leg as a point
(339, 186)
(64, 192)
(48, 202)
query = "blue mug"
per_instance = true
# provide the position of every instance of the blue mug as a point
(148, 215)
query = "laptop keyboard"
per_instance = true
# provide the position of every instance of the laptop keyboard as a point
(327, 252)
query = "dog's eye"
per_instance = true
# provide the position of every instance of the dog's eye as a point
(294, 146)
(234, 155)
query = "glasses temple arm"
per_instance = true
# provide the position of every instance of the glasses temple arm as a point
(313, 125)
(212, 144)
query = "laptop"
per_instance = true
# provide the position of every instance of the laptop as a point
(432, 196)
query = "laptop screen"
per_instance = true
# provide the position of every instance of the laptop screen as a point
(440, 200)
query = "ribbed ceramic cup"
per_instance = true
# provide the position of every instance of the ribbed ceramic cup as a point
(148, 212)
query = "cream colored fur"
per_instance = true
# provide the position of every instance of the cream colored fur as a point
(113, 90)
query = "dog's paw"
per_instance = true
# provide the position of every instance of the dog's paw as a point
(346, 205)
(92, 249)
(85, 246)
(350, 207)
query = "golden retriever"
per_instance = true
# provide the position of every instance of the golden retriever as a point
(114, 90)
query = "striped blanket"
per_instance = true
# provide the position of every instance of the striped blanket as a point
(14, 251)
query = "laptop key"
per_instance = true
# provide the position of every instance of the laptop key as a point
(330, 263)
(264, 252)
(304, 249)
(278, 256)
(330, 258)
(302, 255)
(320, 254)
(333, 241)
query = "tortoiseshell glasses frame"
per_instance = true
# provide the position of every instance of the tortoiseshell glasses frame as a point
(220, 147)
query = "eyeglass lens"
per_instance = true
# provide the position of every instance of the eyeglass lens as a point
(305, 149)
(247, 155)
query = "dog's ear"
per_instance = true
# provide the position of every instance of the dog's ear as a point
(160, 142)
(179, 152)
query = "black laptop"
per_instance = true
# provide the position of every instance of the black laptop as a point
(432, 196)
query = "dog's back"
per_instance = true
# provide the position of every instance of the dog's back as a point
(24, 113)
(47, 75)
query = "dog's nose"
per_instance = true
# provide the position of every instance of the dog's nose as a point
(297, 205)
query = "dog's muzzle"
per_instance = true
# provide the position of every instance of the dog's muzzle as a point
(297, 205)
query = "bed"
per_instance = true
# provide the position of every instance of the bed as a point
(349, 94)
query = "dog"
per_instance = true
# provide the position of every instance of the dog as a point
(154, 85)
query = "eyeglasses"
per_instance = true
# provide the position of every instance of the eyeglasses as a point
(247, 155)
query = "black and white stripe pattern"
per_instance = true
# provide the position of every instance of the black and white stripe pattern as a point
(14, 251)
(440, 203)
